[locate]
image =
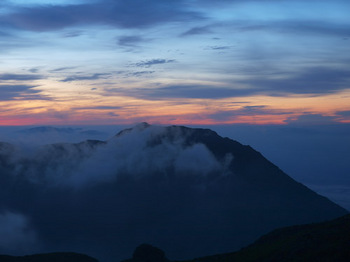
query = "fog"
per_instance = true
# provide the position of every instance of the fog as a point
(120, 192)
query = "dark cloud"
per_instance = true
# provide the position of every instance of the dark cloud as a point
(220, 48)
(311, 119)
(313, 27)
(180, 91)
(295, 27)
(313, 81)
(62, 69)
(86, 77)
(19, 77)
(73, 34)
(130, 41)
(343, 113)
(152, 62)
(99, 107)
(34, 70)
(140, 73)
(199, 30)
(113, 114)
(118, 13)
(246, 111)
(8, 92)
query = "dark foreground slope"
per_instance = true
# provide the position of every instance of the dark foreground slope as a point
(50, 257)
(187, 190)
(323, 242)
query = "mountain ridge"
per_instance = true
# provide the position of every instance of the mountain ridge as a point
(324, 242)
(188, 190)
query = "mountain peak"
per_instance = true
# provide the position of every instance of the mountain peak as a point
(188, 190)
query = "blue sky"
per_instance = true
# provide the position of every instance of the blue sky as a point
(165, 61)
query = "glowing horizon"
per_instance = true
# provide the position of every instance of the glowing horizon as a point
(101, 62)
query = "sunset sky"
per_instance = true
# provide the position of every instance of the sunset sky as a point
(174, 61)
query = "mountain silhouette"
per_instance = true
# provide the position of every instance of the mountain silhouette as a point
(324, 242)
(187, 190)
(147, 253)
(50, 257)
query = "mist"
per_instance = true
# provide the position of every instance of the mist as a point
(119, 192)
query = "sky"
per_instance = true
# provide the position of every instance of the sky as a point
(103, 62)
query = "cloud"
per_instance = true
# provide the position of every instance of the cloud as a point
(311, 119)
(181, 91)
(62, 69)
(99, 107)
(199, 30)
(15, 232)
(296, 27)
(85, 77)
(247, 111)
(220, 48)
(314, 27)
(43, 135)
(313, 81)
(81, 165)
(19, 77)
(140, 73)
(9, 92)
(152, 62)
(343, 113)
(116, 13)
(130, 41)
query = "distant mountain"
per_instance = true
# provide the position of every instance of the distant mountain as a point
(48, 134)
(187, 190)
(50, 257)
(323, 242)
(49, 129)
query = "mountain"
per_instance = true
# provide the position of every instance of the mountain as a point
(323, 242)
(48, 134)
(186, 189)
(147, 253)
(50, 257)
(49, 129)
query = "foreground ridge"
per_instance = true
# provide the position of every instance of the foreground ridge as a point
(49, 257)
(323, 242)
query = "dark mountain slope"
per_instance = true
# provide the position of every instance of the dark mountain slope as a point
(50, 257)
(324, 242)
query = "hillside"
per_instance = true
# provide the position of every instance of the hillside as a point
(323, 242)
(50, 257)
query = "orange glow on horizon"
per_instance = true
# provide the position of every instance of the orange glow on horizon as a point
(113, 110)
